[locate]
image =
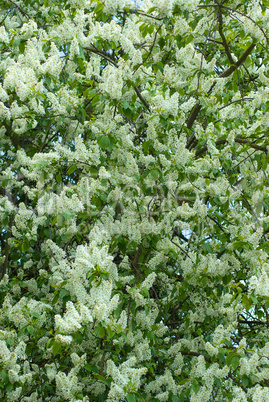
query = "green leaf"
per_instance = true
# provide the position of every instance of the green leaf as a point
(22, 46)
(48, 80)
(88, 367)
(131, 398)
(49, 342)
(126, 105)
(151, 29)
(96, 99)
(99, 8)
(4, 375)
(245, 382)
(16, 42)
(196, 386)
(55, 219)
(189, 39)
(30, 329)
(68, 214)
(81, 52)
(71, 169)
(254, 299)
(144, 292)
(9, 387)
(155, 174)
(207, 247)
(100, 331)
(89, 92)
(230, 357)
(235, 362)
(264, 246)
(109, 331)
(247, 302)
(104, 142)
(150, 334)
(63, 292)
(141, 27)
(25, 245)
(59, 178)
(56, 347)
(10, 341)
(104, 275)
(154, 9)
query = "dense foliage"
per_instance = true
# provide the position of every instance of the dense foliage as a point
(134, 200)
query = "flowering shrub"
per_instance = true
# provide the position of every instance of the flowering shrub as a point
(134, 199)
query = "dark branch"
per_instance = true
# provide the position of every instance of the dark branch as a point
(238, 140)
(226, 73)
(20, 9)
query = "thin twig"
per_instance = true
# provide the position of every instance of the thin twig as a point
(150, 50)
(185, 252)
(226, 73)
(138, 93)
(238, 140)
(201, 64)
(225, 44)
(230, 103)
(248, 17)
(132, 11)
(19, 8)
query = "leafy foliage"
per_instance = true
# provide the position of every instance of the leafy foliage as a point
(134, 200)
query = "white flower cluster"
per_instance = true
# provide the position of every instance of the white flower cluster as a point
(63, 339)
(259, 393)
(89, 257)
(181, 26)
(211, 350)
(29, 28)
(4, 37)
(71, 320)
(66, 385)
(21, 79)
(260, 284)
(164, 6)
(9, 361)
(167, 104)
(91, 153)
(112, 6)
(190, 5)
(148, 282)
(101, 302)
(161, 383)
(3, 94)
(4, 112)
(125, 376)
(53, 65)
(112, 82)
(187, 106)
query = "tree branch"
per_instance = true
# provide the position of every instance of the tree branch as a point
(138, 93)
(237, 100)
(20, 9)
(108, 58)
(226, 73)
(225, 44)
(239, 62)
(150, 50)
(238, 140)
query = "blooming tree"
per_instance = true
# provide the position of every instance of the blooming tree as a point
(134, 200)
